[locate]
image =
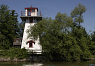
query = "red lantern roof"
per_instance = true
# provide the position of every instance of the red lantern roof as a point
(31, 8)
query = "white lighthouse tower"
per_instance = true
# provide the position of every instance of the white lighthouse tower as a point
(30, 16)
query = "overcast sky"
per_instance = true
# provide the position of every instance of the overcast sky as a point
(49, 8)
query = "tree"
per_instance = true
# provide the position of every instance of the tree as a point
(61, 38)
(15, 22)
(52, 33)
(8, 26)
(21, 29)
(79, 33)
(92, 44)
(83, 41)
(77, 13)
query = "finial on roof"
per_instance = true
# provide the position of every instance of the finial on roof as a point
(31, 6)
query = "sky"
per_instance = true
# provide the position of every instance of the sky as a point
(49, 8)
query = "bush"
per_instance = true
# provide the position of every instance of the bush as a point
(15, 53)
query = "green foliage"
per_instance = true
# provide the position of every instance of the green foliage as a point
(77, 13)
(18, 53)
(92, 45)
(83, 41)
(21, 29)
(62, 39)
(8, 26)
(14, 53)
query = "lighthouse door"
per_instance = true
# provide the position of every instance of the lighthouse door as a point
(30, 44)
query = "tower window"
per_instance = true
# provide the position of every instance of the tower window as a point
(33, 10)
(17, 40)
(29, 13)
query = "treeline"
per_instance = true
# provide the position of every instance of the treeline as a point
(10, 28)
(63, 38)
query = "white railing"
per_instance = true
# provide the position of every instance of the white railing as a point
(26, 13)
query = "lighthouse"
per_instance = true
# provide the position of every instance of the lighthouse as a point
(30, 16)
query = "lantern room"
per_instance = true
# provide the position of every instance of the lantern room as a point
(31, 15)
(31, 11)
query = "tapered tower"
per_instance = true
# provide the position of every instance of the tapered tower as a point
(30, 16)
